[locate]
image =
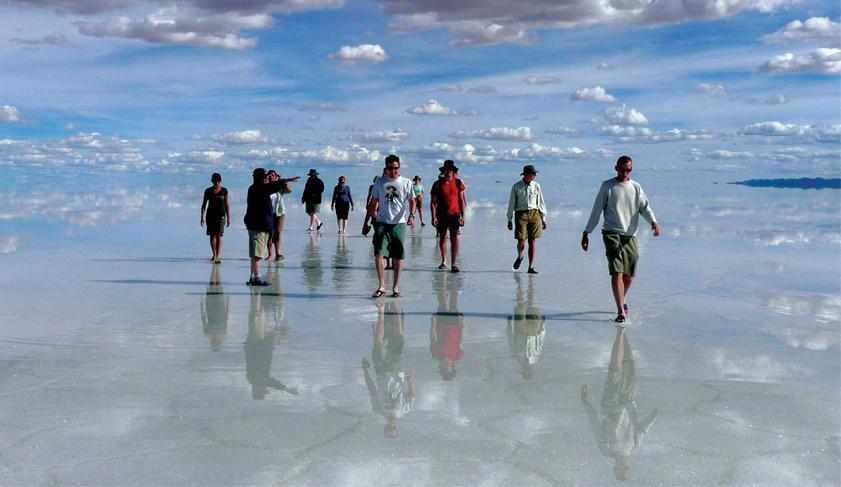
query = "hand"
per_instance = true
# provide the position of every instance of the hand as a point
(510, 226)
(411, 221)
(365, 228)
(434, 221)
(584, 392)
(585, 242)
(461, 220)
(656, 228)
(332, 209)
(352, 208)
(202, 221)
(545, 224)
(227, 222)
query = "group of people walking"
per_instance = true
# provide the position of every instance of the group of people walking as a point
(394, 200)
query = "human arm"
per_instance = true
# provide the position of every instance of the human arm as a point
(647, 213)
(433, 204)
(412, 207)
(462, 203)
(203, 207)
(227, 212)
(349, 197)
(512, 205)
(595, 214)
(335, 196)
(541, 206)
(371, 210)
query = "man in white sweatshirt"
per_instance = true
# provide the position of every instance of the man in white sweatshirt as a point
(622, 201)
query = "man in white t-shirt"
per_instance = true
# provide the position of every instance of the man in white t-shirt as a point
(393, 204)
(622, 201)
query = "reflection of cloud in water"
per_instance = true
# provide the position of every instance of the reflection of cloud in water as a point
(773, 238)
(760, 368)
(822, 307)
(9, 244)
(808, 337)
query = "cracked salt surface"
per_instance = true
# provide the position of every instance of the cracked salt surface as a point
(127, 359)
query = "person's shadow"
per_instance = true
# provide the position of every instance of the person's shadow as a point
(619, 430)
(214, 309)
(446, 331)
(526, 329)
(259, 348)
(392, 390)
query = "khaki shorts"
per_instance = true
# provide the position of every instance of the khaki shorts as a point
(388, 240)
(528, 225)
(258, 243)
(622, 253)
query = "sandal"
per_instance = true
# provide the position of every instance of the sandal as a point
(378, 293)
(441, 266)
(454, 269)
(619, 319)
(396, 294)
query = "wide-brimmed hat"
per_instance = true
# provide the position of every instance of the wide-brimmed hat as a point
(529, 169)
(448, 164)
(416, 178)
(312, 172)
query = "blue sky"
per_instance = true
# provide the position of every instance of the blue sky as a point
(202, 84)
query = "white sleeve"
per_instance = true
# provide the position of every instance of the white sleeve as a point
(598, 207)
(645, 208)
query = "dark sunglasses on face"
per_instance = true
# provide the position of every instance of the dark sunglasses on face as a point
(622, 169)
(392, 168)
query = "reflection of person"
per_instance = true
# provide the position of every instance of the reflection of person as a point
(258, 220)
(619, 430)
(392, 202)
(217, 216)
(259, 348)
(622, 201)
(526, 330)
(279, 214)
(342, 262)
(526, 205)
(214, 310)
(447, 204)
(446, 332)
(311, 198)
(392, 394)
(311, 262)
(341, 203)
(417, 193)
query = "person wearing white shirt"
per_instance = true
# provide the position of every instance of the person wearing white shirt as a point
(622, 201)
(526, 204)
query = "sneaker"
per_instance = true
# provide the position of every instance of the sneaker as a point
(517, 263)
(258, 282)
(423, 224)
(532, 271)
(309, 229)
(454, 269)
(318, 228)
(279, 257)
(441, 266)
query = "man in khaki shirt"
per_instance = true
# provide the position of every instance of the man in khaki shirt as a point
(526, 205)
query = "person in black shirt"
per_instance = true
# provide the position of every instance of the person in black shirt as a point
(259, 221)
(311, 198)
(341, 203)
(217, 213)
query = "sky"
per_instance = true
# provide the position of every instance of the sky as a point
(204, 85)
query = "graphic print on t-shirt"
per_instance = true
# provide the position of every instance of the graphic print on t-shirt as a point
(390, 191)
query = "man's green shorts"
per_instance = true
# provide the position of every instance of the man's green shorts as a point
(313, 207)
(622, 253)
(388, 239)
(527, 225)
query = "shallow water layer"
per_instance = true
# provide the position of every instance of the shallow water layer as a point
(129, 359)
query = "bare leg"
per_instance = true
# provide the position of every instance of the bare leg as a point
(312, 218)
(420, 212)
(521, 244)
(442, 246)
(279, 231)
(398, 266)
(378, 264)
(618, 285)
(255, 266)
(532, 245)
(213, 247)
(218, 248)
(453, 247)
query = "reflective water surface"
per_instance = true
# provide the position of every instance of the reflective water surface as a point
(129, 359)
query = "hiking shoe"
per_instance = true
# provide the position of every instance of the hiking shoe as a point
(532, 271)
(441, 266)
(517, 263)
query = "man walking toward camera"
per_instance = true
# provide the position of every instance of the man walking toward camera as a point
(447, 205)
(393, 204)
(622, 201)
(527, 208)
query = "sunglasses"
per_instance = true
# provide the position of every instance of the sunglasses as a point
(622, 169)
(392, 168)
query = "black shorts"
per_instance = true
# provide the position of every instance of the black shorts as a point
(448, 222)
(215, 225)
(342, 210)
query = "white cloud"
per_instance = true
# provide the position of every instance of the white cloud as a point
(175, 25)
(760, 368)
(354, 155)
(497, 133)
(605, 66)
(624, 131)
(450, 88)
(645, 135)
(812, 29)
(712, 89)
(320, 107)
(460, 153)
(9, 113)
(597, 94)
(823, 60)
(69, 126)
(245, 137)
(56, 38)
(821, 133)
(392, 136)
(433, 107)
(541, 80)
(497, 21)
(372, 53)
(561, 130)
(726, 154)
(624, 115)
(482, 90)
